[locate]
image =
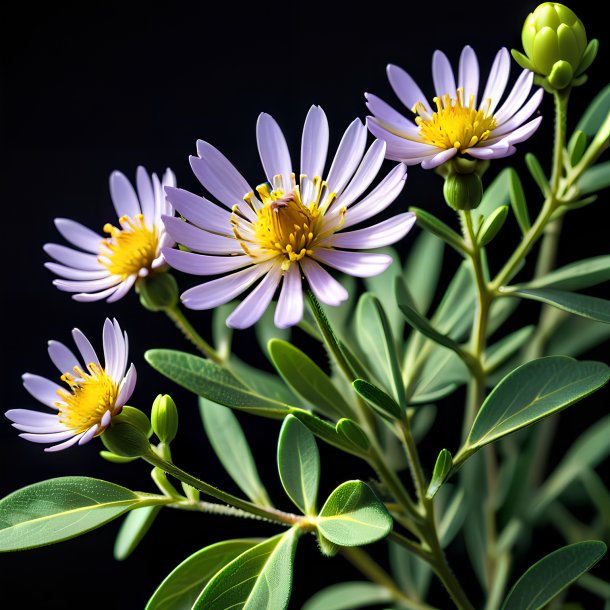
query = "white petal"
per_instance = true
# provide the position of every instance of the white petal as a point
(326, 288)
(127, 387)
(348, 157)
(382, 234)
(314, 142)
(516, 98)
(273, 151)
(86, 349)
(469, 74)
(87, 285)
(42, 389)
(145, 194)
(406, 150)
(497, 79)
(27, 417)
(91, 297)
(365, 174)
(79, 235)
(76, 274)
(249, 311)
(389, 118)
(521, 116)
(88, 435)
(406, 88)
(200, 264)
(64, 445)
(122, 290)
(73, 258)
(199, 240)
(289, 310)
(51, 437)
(123, 196)
(439, 158)
(200, 211)
(62, 357)
(442, 74)
(358, 264)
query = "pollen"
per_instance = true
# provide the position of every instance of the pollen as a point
(131, 249)
(455, 124)
(91, 394)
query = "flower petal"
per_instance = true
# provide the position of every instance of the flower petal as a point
(365, 174)
(123, 196)
(145, 194)
(34, 419)
(200, 211)
(382, 234)
(87, 285)
(200, 264)
(389, 118)
(51, 437)
(497, 79)
(273, 151)
(314, 143)
(62, 357)
(439, 158)
(198, 239)
(42, 389)
(521, 116)
(127, 387)
(326, 288)
(85, 348)
(90, 297)
(406, 88)
(468, 77)
(76, 274)
(289, 310)
(442, 75)
(79, 235)
(516, 98)
(64, 445)
(123, 288)
(73, 258)
(88, 435)
(348, 156)
(359, 264)
(406, 150)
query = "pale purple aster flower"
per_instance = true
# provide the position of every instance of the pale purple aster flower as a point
(94, 393)
(107, 267)
(457, 122)
(287, 228)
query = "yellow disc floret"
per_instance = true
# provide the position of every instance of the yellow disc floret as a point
(91, 394)
(129, 250)
(454, 124)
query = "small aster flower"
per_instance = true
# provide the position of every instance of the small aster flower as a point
(93, 396)
(288, 228)
(107, 267)
(457, 122)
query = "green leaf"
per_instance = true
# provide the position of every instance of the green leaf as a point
(576, 276)
(438, 228)
(596, 113)
(262, 382)
(422, 420)
(538, 173)
(211, 381)
(184, 584)
(231, 447)
(535, 390)
(352, 431)
(411, 573)
(583, 305)
(442, 468)
(261, 577)
(382, 403)
(594, 179)
(59, 509)
(502, 350)
(576, 146)
(492, 225)
(221, 333)
(420, 323)
(348, 596)
(133, 529)
(375, 338)
(577, 335)
(494, 196)
(517, 200)
(353, 515)
(552, 574)
(116, 459)
(298, 462)
(308, 380)
(422, 269)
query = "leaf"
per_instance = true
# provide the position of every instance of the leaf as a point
(492, 225)
(354, 434)
(231, 447)
(411, 573)
(375, 338)
(577, 335)
(538, 173)
(576, 146)
(552, 574)
(594, 179)
(576, 276)
(495, 195)
(502, 350)
(535, 390)
(422, 421)
(438, 228)
(596, 113)
(385, 405)
(518, 202)
(211, 381)
(308, 380)
(422, 269)
(133, 529)
(261, 577)
(583, 305)
(298, 462)
(442, 468)
(353, 516)
(59, 509)
(262, 382)
(348, 596)
(183, 585)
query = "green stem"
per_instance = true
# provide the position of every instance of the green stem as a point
(176, 315)
(417, 473)
(268, 514)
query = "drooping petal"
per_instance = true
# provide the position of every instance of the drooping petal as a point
(442, 75)
(76, 274)
(64, 445)
(123, 288)
(326, 288)
(406, 88)
(79, 235)
(33, 419)
(201, 264)
(359, 264)
(123, 196)
(273, 150)
(51, 437)
(439, 158)
(87, 285)
(289, 310)
(91, 297)
(127, 388)
(88, 435)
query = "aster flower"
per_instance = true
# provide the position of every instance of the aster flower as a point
(287, 228)
(93, 396)
(107, 267)
(457, 122)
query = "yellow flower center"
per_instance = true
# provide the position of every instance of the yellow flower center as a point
(284, 224)
(131, 249)
(91, 394)
(455, 125)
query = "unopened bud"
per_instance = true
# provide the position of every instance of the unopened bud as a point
(158, 292)
(463, 191)
(164, 418)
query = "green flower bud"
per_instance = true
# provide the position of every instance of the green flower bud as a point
(463, 191)
(555, 43)
(158, 292)
(164, 418)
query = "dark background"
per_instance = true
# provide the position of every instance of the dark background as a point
(88, 88)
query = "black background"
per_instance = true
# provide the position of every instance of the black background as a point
(91, 87)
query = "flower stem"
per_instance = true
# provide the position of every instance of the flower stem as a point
(176, 315)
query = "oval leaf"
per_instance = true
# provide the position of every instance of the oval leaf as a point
(442, 468)
(535, 390)
(59, 509)
(348, 596)
(552, 574)
(353, 516)
(184, 584)
(385, 405)
(133, 529)
(307, 379)
(298, 461)
(354, 434)
(492, 225)
(538, 173)
(232, 449)
(261, 577)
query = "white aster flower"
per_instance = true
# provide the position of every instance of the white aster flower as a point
(457, 122)
(287, 228)
(93, 396)
(107, 268)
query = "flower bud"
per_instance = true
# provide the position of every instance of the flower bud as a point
(463, 191)
(555, 44)
(164, 418)
(158, 292)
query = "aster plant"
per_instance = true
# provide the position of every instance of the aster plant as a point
(285, 255)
